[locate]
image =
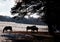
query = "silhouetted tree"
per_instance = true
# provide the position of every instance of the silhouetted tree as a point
(52, 16)
(22, 7)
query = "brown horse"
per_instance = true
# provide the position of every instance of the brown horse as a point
(32, 28)
(7, 28)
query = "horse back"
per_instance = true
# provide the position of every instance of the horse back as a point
(8, 27)
(28, 27)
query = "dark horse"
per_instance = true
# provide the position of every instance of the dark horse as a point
(7, 28)
(32, 28)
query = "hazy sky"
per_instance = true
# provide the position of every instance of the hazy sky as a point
(5, 7)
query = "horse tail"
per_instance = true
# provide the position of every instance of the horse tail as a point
(27, 28)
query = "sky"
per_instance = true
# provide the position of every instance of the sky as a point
(5, 7)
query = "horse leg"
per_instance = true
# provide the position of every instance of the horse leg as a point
(37, 30)
(31, 30)
(3, 30)
(10, 30)
(27, 30)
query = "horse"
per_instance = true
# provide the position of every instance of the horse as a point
(32, 28)
(7, 28)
